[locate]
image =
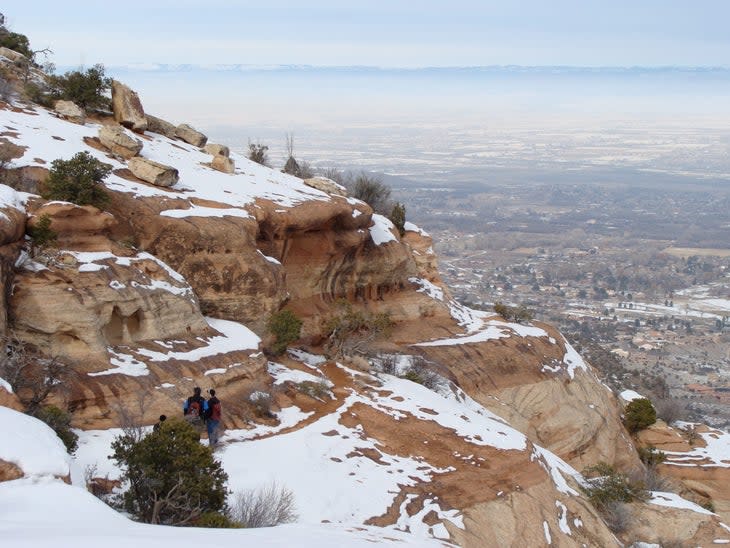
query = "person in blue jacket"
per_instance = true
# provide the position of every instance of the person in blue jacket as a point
(195, 408)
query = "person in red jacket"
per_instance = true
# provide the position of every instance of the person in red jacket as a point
(213, 418)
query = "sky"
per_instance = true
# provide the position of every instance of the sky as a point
(388, 33)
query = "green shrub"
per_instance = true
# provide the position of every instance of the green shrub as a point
(372, 191)
(316, 390)
(398, 217)
(216, 520)
(78, 180)
(16, 42)
(85, 88)
(60, 422)
(286, 327)
(503, 310)
(350, 331)
(605, 486)
(42, 233)
(639, 414)
(413, 376)
(651, 456)
(173, 478)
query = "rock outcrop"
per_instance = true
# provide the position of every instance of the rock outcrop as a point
(217, 150)
(118, 142)
(80, 304)
(223, 164)
(68, 110)
(158, 125)
(127, 107)
(326, 185)
(83, 228)
(152, 172)
(190, 135)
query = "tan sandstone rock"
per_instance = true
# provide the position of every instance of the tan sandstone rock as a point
(158, 125)
(68, 110)
(217, 150)
(77, 310)
(127, 107)
(12, 55)
(190, 135)
(9, 471)
(118, 142)
(83, 228)
(224, 164)
(326, 185)
(153, 172)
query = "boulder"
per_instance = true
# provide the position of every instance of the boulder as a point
(224, 164)
(68, 110)
(118, 142)
(190, 135)
(158, 125)
(217, 150)
(326, 185)
(127, 107)
(153, 172)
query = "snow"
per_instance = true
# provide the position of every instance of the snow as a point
(71, 516)
(716, 452)
(430, 289)
(32, 446)
(197, 181)
(493, 330)
(411, 227)
(558, 469)
(630, 395)
(233, 336)
(5, 385)
(199, 211)
(316, 467)
(465, 417)
(672, 500)
(382, 230)
(282, 374)
(124, 365)
(94, 448)
(563, 518)
(546, 528)
(572, 359)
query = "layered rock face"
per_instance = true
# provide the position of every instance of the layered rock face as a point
(80, 304)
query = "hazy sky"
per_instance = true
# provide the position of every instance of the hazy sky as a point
(379, 32)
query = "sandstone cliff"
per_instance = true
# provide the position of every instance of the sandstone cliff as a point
(172, 286)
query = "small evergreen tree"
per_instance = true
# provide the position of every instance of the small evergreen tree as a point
(60, 422)
(78, 180)
(398, 217)
(639, 414)
(173, 478)
(286, 327)
(42, 234)
(85, 88)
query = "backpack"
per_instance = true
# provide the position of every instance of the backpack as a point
(215, 412)
(194, 409)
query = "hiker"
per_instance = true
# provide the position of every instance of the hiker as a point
(195, 408)
(213, 418)
(156, 427)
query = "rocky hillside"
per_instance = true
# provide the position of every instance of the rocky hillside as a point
(171, 286)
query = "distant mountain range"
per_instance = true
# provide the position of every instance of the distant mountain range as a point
(497, 69)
